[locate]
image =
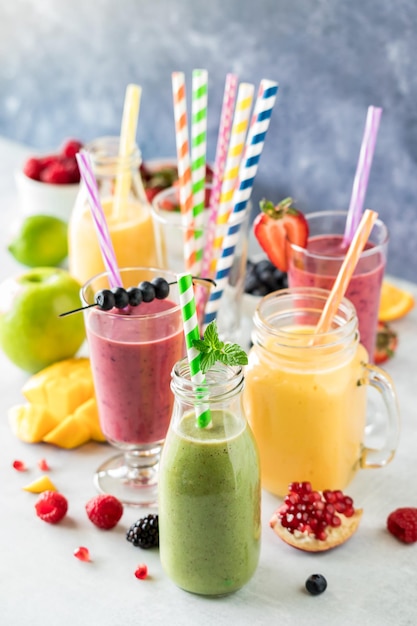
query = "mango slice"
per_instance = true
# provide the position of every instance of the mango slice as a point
(44, 483)
(89, 414)
(71, 432)
(61, 387)
(31, 422)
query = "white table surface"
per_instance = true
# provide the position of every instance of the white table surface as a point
(371, 578)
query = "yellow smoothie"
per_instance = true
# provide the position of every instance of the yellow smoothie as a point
(307, 413)
(132, 237)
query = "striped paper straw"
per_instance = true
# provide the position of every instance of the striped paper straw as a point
(189, 316)
(127, 144)
(184, 168)
(223, 138)
(99, 219)
(234, 158)
(363, 169)
(248, 168)
(198, 157)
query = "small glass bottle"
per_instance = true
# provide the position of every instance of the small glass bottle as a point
(126, 208)
(209, 486)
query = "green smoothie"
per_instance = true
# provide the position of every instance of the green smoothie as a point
(209, 505)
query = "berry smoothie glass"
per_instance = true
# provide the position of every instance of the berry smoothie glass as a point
(318, 265)
(132, 352)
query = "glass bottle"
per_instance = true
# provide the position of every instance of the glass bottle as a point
(126, 208)
(306, 394)
(209, 486)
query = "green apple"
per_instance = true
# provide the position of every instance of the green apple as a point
(32, 335)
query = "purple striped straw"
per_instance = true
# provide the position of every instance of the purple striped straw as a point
(363, 169)
(99, 219)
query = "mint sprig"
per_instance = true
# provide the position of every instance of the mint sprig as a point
(212, 350)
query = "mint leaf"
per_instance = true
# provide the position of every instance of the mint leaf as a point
(212, 350)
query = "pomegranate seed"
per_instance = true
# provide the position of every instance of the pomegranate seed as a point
(19, 466)
(329, 495)
(141, 571)
(82, 553)
(349, 512)
(335, 521)
(43, 465)
(340, 506)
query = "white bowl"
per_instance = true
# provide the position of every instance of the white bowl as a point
(37, 198)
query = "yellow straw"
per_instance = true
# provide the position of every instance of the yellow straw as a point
(127, 144)
(346, 270)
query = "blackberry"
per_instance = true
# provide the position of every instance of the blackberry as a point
(144, 533)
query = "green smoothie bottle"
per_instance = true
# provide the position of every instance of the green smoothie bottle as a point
(209, 486)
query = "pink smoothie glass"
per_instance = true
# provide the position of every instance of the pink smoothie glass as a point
(132, 352)
(319, 263)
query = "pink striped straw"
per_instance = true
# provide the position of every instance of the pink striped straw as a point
(363, 169)
(219, 167)
(99, 218)
(184, 168)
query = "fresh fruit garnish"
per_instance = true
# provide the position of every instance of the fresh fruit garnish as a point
(82, 554)
(104, 511)
(316, 584)
(51, 507)
(144, 533)
(275, 226)
(263, 277)
(386, 343)
(394, 303)
(20, 466)
(402, 523)
(56, 169)
(315, 521)
(212, 349)
(141, 571)
(44, 483)
(39, 241)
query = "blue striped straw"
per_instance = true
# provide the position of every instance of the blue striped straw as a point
(249, 166)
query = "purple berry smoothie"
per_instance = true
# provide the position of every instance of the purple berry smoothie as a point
(319, 266)
(132, 356)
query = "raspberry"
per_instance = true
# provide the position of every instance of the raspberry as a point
(33, 168)
(56, 174)
(51, 506)
(104, 511)
(402, 523)
(71, 147)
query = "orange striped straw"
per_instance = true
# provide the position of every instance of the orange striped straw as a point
(346, 270)
(184, 168)
(234, 157)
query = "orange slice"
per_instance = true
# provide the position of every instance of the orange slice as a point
(394, 302)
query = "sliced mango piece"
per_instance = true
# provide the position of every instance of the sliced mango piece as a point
(71, 432)
(31, 422)
(44, 483)
(62, 386)
(89, 414)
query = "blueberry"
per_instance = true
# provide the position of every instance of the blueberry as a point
(105, 299)
(135, 296)
(316, 584)
(121, 298)
(161, 287)
(148, 291)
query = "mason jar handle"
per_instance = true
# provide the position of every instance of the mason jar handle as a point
(382, 382)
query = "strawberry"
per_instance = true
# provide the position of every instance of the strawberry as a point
(386, 343)
(104, 511)
(274, 226)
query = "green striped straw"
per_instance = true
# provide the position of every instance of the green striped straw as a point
(198, 157)
(191, 332)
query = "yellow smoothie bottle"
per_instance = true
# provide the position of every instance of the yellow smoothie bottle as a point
(129, 221)
(306, 395)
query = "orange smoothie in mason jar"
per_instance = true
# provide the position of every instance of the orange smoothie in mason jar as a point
(130, 223)
(305, 395)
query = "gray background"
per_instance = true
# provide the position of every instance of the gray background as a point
(65, 64)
